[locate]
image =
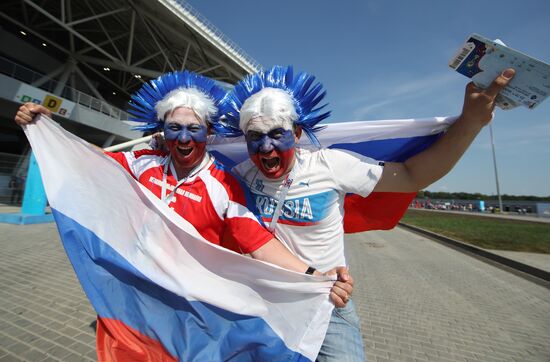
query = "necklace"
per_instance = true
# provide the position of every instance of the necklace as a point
(281, 195)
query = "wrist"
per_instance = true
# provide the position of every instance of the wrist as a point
(471, 124)
(477, 119)
(312, 271)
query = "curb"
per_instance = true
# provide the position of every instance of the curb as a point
(25, 219)
(522, 270)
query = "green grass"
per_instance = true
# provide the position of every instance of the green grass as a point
(485, 232)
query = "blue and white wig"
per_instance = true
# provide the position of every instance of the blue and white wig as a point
(276, 94)
(159, 97)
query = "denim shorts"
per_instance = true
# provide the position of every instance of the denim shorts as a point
(343, 341)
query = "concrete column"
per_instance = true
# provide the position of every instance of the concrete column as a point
(34, 200)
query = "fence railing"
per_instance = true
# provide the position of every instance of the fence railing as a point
(29, 76)
(213, 31)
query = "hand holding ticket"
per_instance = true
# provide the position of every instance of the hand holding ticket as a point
(483, 60)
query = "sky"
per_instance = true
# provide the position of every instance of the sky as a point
(389, 60)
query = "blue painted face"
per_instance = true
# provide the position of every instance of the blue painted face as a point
(185, 137)
(185, 133)
(277, 139)
(272, 152)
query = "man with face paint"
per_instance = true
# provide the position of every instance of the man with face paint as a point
(271, 146)
(300, 193)
(192, 182)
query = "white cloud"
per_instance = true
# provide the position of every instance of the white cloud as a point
(364, 110)
(383, 93)
(513, 138)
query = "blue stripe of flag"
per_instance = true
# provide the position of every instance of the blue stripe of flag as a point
(190, 330)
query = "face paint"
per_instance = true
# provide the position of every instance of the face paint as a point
(271, 152)
(186, 139)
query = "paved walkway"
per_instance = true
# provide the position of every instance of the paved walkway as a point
(44, 314)
(418, 301)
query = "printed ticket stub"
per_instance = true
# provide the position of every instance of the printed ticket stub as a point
(483, 60)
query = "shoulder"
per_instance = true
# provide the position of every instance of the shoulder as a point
(227, 178)
(243, 168)
(138, 162)
(315, 157)
(342, 155)
(134, 155)
(142, 153)
(306, 154)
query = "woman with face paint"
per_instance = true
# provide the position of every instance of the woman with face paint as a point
(301, 193)
(197, 187)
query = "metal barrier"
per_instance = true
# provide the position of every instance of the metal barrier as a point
(29, 76)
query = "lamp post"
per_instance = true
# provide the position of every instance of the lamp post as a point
(495, 165)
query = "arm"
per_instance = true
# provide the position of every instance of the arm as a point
(432, 164)
(275, 252)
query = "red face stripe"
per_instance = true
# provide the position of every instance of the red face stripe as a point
(186, 155)
(275, 163)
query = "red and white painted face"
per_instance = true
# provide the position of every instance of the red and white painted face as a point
(185, 134)
(271, 146)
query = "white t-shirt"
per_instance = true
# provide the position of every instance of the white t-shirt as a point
(311, 220)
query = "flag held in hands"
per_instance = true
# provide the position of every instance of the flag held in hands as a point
(160, 290)
(164, 293)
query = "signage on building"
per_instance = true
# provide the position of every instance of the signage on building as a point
(543, 209)
(58, 105)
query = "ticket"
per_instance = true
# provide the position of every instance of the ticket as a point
(483, 60)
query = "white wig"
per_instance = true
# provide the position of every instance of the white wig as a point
(274, 106)
(199, 102)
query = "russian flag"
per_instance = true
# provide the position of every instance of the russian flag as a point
(160, 290)
(387, 141)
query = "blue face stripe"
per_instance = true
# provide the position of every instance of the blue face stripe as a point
(185, 133)
(278, 139)
(117, 290)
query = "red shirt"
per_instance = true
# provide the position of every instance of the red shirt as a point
(213, 200)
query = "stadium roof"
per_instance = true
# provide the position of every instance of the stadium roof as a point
(118, 44)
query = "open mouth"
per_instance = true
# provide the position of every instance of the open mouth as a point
(270, 163)
(185, 151)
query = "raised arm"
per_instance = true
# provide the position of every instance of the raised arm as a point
(432, 164)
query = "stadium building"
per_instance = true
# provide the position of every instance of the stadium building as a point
(82, 60)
